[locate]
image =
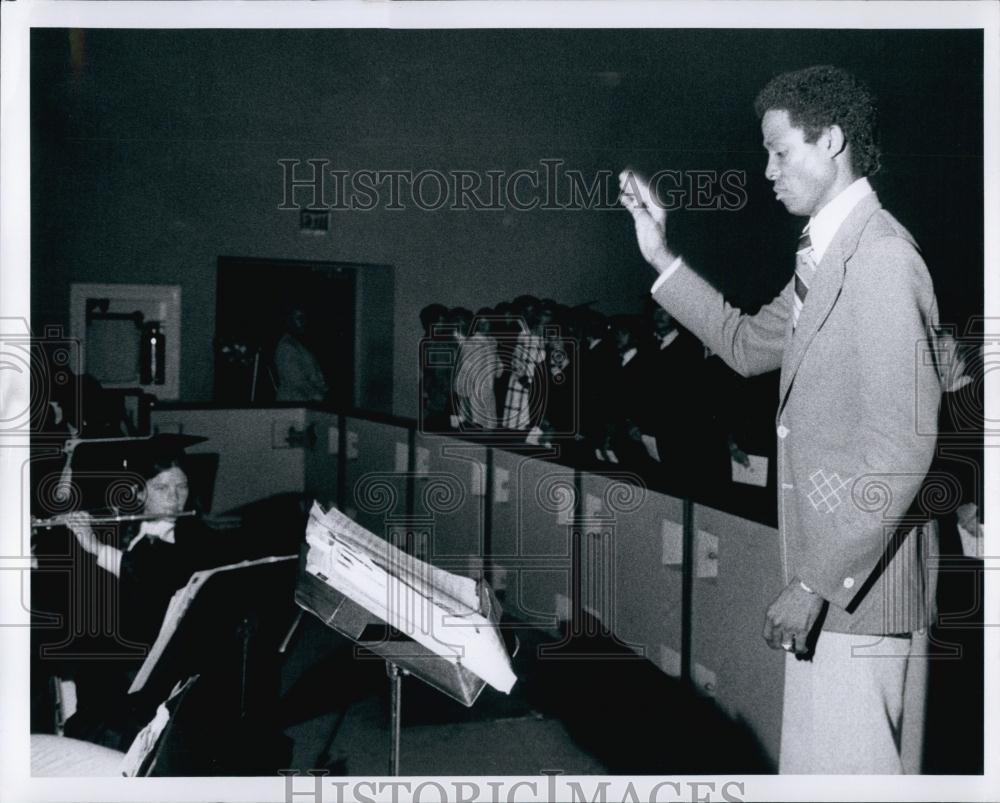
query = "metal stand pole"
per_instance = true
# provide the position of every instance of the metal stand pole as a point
(395, 714)
(245, 632)
(253, 381)
(291, 632)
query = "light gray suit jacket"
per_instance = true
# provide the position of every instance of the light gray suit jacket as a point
(857, 415)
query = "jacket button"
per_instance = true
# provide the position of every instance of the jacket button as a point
(848, 582)
(782, 431)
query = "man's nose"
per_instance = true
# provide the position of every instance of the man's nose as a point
(771, 171)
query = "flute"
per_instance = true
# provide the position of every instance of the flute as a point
(63, 518)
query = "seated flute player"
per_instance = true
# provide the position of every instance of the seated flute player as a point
(134, 563)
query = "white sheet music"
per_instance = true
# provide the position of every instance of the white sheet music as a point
(438, 609)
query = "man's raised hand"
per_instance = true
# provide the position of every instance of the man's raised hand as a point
(650, 219)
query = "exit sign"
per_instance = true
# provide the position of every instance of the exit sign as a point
(314, 221)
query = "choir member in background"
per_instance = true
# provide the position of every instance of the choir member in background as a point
(478, 369)
(298, 374)
(435, 374)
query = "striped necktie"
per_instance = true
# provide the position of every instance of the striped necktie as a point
(805, 268)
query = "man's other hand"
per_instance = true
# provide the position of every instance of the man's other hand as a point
(791, 617)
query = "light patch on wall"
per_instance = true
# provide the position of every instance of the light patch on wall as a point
(670, 661)
(673, 543)
(564, 607)
(402, 457)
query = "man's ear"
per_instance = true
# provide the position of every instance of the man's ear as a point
(835, 141)
(140, 493)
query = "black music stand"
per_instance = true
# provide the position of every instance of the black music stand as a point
(403, 655)
(230, 617)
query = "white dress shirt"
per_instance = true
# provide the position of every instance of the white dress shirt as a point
(824, 224)
(109, 557)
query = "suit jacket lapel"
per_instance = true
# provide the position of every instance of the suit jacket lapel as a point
(823, 293)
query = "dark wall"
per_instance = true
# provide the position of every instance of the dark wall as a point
(153, 152)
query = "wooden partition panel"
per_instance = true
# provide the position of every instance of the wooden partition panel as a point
(450, 492)
(534, 505)
(376, 475)
(737, 574)
(631, 565)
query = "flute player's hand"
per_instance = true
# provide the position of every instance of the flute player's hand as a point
(79, 524)
(650, 219)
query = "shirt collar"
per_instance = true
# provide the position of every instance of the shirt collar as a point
(668, 338)
(960, 383)
(823, 226)
(558, 369)
(161, 529)
(628, 355)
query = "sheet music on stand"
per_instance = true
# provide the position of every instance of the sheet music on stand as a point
(353, 578)
(142, 754)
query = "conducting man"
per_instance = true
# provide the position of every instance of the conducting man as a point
(856, 420)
